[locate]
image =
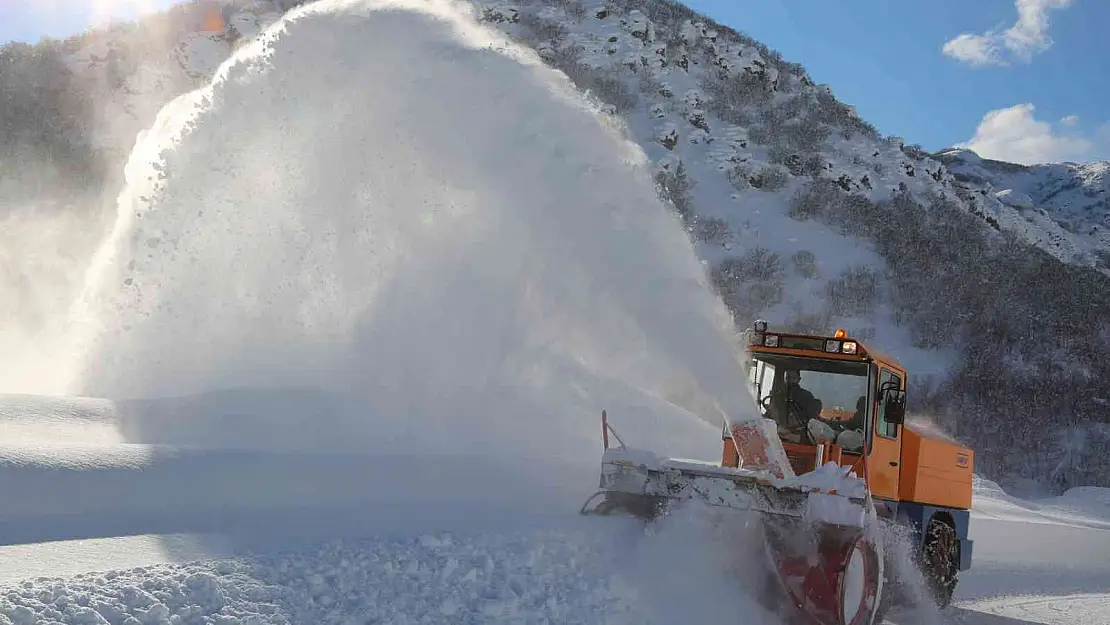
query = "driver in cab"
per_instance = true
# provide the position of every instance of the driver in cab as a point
(792, 407)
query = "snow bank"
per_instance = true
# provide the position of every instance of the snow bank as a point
(79, 491)
(1092, 501)
(1085, 507)
(573, 575)
(34, 420)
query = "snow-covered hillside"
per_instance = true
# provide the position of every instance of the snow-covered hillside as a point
(1062, 207)
(806, 216)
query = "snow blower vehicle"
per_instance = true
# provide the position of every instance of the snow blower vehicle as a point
(827, 466)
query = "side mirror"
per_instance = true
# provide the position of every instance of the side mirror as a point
(894, 407)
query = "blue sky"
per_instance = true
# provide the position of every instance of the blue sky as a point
(30, 20)
(1021, 80)
(1047, 92)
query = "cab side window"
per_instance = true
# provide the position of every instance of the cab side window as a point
(883, 427)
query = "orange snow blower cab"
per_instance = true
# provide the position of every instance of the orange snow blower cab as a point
(829, 456)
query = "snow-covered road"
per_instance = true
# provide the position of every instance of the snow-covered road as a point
(1044, 561)
(446, 558)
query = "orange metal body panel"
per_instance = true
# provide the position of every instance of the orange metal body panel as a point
(729, 457)
(882, 478)
(935, 472)
(802, 457)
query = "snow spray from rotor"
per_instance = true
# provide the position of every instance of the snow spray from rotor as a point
(388, 201)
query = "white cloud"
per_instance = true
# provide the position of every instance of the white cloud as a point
(1070, 120)
(1027, 36)
(1013, 134)
(973, 49)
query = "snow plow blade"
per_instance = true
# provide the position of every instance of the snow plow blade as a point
(824, 561)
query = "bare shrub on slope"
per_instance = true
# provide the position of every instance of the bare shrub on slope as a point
(1030, 367)
(750, 283)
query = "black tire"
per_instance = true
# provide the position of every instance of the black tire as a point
(941, 561)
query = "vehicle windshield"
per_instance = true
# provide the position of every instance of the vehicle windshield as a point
(793, 391)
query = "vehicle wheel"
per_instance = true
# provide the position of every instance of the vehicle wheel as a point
(941, 561)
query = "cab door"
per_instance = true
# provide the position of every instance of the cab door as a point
(886, 439)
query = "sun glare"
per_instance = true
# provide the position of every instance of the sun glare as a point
(97, 13)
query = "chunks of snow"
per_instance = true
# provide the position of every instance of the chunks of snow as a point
(639, 26)
(831, 478)
(689, 33)
(530, 576)
(835, 509)
(752, 62)
(693, 99)
(642, 458)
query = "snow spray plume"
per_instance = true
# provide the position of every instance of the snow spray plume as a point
(45, 240)
(915, 603)
(390, 203)
(697, 565)
(928, 425)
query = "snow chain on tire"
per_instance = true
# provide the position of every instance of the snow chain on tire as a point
(941, 551)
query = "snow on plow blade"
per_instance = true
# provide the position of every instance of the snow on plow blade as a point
(823, 554)
(635, 478)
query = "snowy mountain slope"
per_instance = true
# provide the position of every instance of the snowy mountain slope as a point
(806, 216)
(662, 76)
(1063, 207)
